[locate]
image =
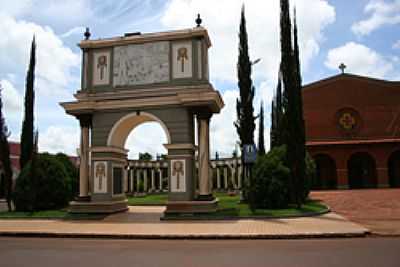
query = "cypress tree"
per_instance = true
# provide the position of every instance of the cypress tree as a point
(279, 114)
(245, 123)
(272, 132)
(289, 82)
(27, 134)
(261, 145)
(299, 120)
(5, 155)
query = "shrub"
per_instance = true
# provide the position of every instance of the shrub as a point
(72, 173)
(46, 189)
(271, 180)
(269, 188)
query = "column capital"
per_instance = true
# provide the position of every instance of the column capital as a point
(85, 120)
(204, 115)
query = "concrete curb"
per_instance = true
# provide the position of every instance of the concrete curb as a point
(233, 218)
(182, 237)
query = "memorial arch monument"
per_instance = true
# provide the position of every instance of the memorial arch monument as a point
(137, 78)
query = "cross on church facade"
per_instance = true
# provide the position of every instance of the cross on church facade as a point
(342, 67)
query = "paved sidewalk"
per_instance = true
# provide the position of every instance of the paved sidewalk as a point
(376, 209)
(143, 222)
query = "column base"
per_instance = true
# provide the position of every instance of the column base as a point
(208, 197)
(181, 207)
(98, 207)
(82, 199)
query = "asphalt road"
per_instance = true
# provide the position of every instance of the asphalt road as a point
(245, 253)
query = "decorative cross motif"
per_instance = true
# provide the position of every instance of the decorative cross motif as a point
(342, 67)
(100, 174)
(347, 121)
(177, 170)
(182, 56)
(102, 64)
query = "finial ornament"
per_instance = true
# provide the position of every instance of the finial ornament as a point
(198, 20)
(87, 33)
(342, 67)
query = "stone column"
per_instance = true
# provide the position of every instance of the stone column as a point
(85, 122)
(218, 178)
(226, 177)
(233, 178)
(137, 180)
(153, 182)
(145, 182)
(203, 121)
(160, 186)
(131, 172)
(240, 176)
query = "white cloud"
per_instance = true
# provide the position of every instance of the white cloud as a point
(59, 138)
(12, 100)
(147, 137)
(55, 62)
(381, 12)
(359, 59)
(221, 18)
(396, 45)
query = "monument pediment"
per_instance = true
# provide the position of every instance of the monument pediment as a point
(145, 60)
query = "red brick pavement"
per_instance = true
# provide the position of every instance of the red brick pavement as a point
(376, 209)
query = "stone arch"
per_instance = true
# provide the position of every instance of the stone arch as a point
(394, 169)
(326, 175)
(121, 129)
(362, 172)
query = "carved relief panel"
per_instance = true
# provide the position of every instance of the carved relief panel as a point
(178, 175)
(101, 68)
(182, 60)
(100, 177)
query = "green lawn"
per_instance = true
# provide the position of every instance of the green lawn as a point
(154, 199)
(229, 206)
(49, 214)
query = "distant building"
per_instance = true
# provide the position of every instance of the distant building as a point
(353, 131)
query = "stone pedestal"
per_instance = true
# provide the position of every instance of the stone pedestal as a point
(107, 191)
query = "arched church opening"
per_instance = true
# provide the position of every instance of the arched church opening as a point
(362, 171)
(394, 169)
(326, 175)
(147, 168)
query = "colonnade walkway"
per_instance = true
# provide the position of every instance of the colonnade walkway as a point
(144, 222)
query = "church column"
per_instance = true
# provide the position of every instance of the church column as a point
(240, 176)
(153, 182)
(203, 121)
(225, 177)
(85, 121)
(145, 182)
(161, 180)
(138, 180)
(218, 178)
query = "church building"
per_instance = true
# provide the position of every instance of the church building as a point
(353, 131)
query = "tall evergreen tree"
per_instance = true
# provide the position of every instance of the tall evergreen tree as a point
(261, 144)
(5, 155)
(299, 117)
(289, 82)
(245, 123)
(272, 132)
(280, 130)
(27, 134)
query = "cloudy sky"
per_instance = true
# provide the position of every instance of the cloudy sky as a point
(363, 34)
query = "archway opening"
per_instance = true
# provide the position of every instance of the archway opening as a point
(394, 169)
(362, 171)
(144, 136)
(326, 176)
